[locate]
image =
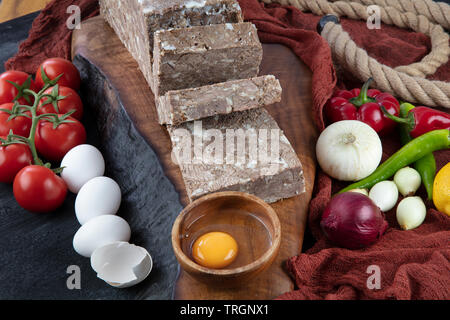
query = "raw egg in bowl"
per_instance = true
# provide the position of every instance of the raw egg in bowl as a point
(226, 238)
(215, 250)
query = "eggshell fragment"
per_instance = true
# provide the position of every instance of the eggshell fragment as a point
(100, 231)
(99, 196)
(121, 264)
(81, 164)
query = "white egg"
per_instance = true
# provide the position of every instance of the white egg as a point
(81, 164)
(98, 196)
(121, 264)
(99, 232)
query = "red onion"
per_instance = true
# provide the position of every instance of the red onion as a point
(352, 220)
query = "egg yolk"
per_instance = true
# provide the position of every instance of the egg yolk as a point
(215, 250)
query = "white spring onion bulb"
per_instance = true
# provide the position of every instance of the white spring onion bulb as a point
(411, 212)
(408, 181)
(348, 150)
(384, 194)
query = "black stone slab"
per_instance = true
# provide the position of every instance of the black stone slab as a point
(36, 249)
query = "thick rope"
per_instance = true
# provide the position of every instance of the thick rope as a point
(407, 82)
(435, 12)
(411, 89)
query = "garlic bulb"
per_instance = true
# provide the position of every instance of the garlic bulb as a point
(348, 150)
(411, 212)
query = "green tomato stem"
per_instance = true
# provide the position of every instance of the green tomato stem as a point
(363, 98)
(30, 141)
(34, 122)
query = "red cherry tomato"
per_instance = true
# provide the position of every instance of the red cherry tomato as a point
(71, 102)
(13, 158)
(53, 67)
(54, 143)
(8, 92)
(20, 125)
(39, 189)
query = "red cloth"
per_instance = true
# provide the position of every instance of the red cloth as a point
(413, 264)
(49, 35)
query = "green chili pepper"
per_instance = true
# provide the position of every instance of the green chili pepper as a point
(409, 153)
(404, 134)
(426, 166)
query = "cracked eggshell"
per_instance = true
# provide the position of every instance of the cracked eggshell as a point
(99, 196)
(81, 164)
(100, 231)
(121, 264)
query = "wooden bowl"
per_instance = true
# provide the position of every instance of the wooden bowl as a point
(220, 205)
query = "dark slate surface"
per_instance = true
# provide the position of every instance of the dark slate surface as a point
(36, 249)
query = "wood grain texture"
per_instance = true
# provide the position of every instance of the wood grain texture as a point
(10, 9)
(97, 43)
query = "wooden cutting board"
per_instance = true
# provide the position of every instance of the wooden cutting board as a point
(97, 43)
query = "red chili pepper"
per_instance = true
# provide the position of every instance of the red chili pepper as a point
(421, 120)
(363, 105)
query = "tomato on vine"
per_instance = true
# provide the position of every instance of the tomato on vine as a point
(61, 100)
(39, 189)
(13, 85)
(13, 157)
(63, 71)
(13, 119)
(39, 123)
(55, 136)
